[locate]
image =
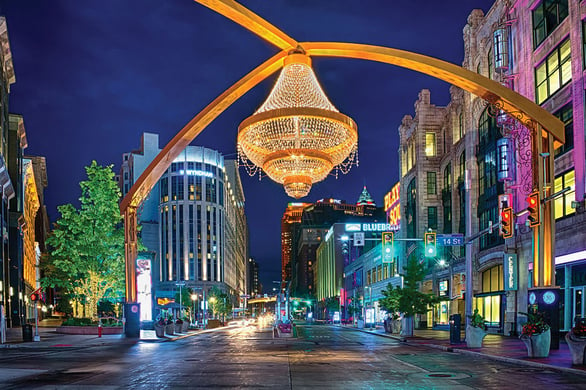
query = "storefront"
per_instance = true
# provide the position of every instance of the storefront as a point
(491, 301)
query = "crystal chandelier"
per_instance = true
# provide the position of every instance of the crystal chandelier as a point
(297, 136)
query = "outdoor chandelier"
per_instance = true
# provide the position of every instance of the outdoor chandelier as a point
(297, 136)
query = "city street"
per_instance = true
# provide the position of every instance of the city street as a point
(321, 357)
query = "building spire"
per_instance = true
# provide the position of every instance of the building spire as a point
(365, 198)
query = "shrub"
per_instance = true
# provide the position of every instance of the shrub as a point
(73, 321)
(535, 324)
(477, 320)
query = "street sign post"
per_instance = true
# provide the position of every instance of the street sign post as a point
(456, 239)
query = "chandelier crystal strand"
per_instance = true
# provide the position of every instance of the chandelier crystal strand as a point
(297, 136)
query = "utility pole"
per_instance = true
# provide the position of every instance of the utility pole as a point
(468, 205)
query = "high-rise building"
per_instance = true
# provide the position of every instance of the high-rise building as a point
(254, 285)
(290, 222)
(316, 220)
(197, 209)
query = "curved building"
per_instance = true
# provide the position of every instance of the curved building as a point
(193, 221)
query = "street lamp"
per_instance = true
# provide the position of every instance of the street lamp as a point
(180, 284)
(193, 299)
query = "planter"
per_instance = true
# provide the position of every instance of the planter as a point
(170, 329)
(88, 330)
(407, 326)
(577, 347)
(538, 344)
(184, 327)
(160, 330)
(178, 326)
(474, 336)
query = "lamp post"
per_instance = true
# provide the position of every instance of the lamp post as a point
(180, 284)
(193, 316)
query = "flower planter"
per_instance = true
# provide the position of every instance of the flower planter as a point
(160, 330)
(577, 347)
(178, 326)
(170, 329)
(538, 344)
(184, 327)
(474, 336)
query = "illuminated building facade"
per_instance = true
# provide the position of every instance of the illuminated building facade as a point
(9, 297)
(537, 49)
(194, 219)
(316, 221)
(290, 222)
(254, 284)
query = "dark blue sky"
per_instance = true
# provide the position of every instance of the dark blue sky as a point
(92, 76)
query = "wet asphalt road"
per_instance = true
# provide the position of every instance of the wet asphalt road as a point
(322, 357)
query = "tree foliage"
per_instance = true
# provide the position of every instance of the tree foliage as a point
(408, 300)
(86, 256)
(220, 302)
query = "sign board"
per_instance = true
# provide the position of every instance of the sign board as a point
(358, 239)
(450, 239)
(511, 271)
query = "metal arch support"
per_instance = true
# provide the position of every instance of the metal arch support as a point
(130, 252)
(513, 103)
(504, 98)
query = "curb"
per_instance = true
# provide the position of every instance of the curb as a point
(504, 359)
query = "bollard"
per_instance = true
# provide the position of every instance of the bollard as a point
(100, 329)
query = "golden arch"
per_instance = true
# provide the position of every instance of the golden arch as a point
(515, 104)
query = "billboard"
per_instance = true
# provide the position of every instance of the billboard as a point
(144, 285)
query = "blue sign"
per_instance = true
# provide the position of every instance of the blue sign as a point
(511, 275)
(450, 239)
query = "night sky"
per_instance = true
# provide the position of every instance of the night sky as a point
(92, 76)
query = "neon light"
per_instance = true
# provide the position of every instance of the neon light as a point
(195, 172)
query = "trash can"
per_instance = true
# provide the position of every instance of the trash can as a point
(455, 328)
(27, 332)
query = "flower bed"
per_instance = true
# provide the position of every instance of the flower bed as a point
(88, 330)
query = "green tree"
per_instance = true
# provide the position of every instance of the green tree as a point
(220, 302)
(86, 256)
(408, 300)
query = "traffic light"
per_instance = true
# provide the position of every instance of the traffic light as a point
(36, 296)
(533, 208)
(430, 245)
(387, 247)
(507, 222)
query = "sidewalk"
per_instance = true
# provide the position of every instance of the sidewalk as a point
(50, 338)
(504, 348)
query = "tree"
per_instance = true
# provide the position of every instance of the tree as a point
(408, 300)
(86, 255)
(220, 302)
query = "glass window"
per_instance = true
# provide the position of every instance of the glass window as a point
(546, 17)
(563, 204)
(462, 164)
(430, 145)
(492, 279)
(565, 114)
(432, 217)
(448, 177)
(553, 73)
(431, 183)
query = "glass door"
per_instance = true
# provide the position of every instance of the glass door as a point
(578, 304)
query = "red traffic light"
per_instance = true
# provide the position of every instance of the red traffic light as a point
(507, 222)
(533, 209)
